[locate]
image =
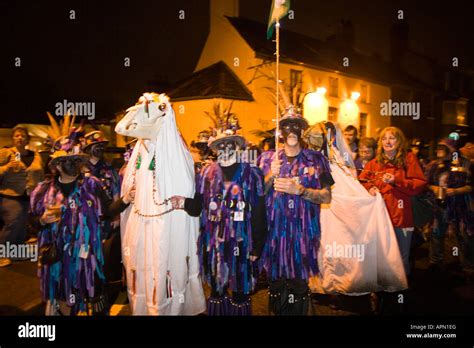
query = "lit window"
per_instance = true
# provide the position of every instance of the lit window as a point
(296, 85)
(363, 124)
(364, 94)
(332, 114)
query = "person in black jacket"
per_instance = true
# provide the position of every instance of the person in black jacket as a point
(230, 200)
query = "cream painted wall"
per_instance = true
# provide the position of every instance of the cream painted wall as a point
(316, 78)
(191, 117)
(261, 113)
(224, 43)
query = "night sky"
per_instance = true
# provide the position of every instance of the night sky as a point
(83, 59)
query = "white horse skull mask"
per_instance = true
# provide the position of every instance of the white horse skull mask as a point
(153, 119)
(145, 119)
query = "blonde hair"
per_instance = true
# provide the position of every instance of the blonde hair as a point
(399, 159)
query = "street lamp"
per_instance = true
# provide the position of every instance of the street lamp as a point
(355, 96)
(315, 106)
(349, 112)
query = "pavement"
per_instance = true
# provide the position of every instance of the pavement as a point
(444, 293)
(19, 289)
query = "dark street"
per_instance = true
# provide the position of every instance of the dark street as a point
(431, 294)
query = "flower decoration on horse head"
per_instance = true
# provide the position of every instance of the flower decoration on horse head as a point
(147, 98)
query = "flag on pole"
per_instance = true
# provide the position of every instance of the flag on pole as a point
(280, 9)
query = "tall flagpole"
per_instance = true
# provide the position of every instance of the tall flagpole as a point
(277, 130)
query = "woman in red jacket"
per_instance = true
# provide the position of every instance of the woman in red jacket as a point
(397, 175)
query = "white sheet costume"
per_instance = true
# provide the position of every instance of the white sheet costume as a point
(358, 252)
(159, 246)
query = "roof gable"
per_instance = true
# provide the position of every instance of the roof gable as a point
(215, 81)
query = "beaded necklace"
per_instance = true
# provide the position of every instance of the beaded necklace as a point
(165, 202)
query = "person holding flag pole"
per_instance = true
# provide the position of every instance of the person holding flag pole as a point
(298, 180)
(280, 9)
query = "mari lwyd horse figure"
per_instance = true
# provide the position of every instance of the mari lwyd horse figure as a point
(159, 244)
(359, 252)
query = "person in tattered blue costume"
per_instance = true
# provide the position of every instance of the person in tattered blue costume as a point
(297, 182)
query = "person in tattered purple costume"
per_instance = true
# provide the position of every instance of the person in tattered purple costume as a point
(69, 207)
(296, 183)
(229, 197)
(94, 146)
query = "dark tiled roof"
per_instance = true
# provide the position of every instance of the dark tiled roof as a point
(215, 81)
(304, 50)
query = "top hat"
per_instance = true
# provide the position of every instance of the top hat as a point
(291, 115)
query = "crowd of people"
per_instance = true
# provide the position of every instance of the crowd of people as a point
(389, 166)
(263, 219)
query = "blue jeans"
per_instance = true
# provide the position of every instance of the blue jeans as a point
(14, 213)
(404, 243)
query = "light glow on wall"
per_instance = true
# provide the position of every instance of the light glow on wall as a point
(355, 96)
(349, 112)
(315, 106)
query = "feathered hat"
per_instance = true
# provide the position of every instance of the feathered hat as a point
(226, 126)
(66, 137)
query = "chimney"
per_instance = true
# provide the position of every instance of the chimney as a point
(398, 42)
(344, 35)
(221, 8)
(347, 32)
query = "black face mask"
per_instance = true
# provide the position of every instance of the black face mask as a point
(291, 128)
(71, 167)
(97, 151)
(226, 153)
(226, 146)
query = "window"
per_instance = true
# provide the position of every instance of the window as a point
(364, 94)
(333, 87)
(296, 86)
(332, 114)
(362, 125)
(455, 112)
